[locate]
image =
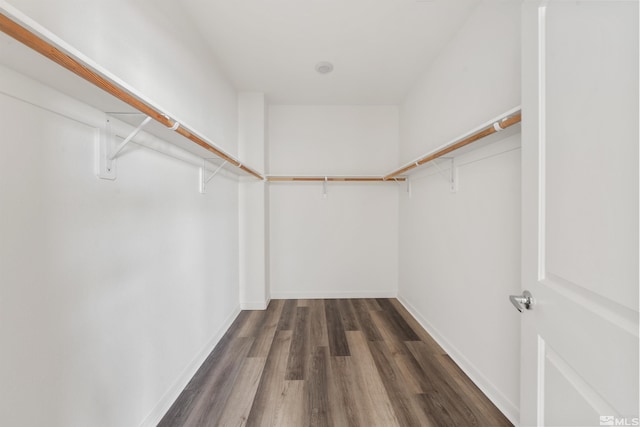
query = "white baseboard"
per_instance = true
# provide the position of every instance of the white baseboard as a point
(254, 305)
(181, 382)
(334, 294)
(510, 410)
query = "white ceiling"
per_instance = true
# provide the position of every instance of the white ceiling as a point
(378, 47)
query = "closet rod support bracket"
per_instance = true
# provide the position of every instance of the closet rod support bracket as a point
(107, 155)
(451, 176)
(324, 187)
(204, 180)
(128, 139)
(105, 166)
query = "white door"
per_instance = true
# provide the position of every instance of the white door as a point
(580, 213)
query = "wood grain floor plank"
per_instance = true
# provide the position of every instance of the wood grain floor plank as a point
(299, 352)
(348, 315)
(338, 345)
(439, 411)
(375, 396)
(392, 379)
(414, 376)
(272, 381)
(237, 410)
(318, 336)
(206, 407)
(362, 311)
(219, 351)
(429, 364)
(415, 325)
(476, 400)
(372, 304)
(388, 332)
(318, 409)
(290, 403)
(347, 407)
(400, 327)
(210, 406)
(444, 401)
(180, 410)
(239, 323)
(267, 330)
(287, 318)
(253, 323)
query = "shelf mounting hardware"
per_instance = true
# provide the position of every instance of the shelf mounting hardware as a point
(498, 125)
(451, 175)
(174, 126)
(203, 175)
(128, 139)
(407, 180)
(105, 167)
(107, 157)
(324, 187)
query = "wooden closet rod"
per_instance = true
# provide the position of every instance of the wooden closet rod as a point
(491, 129)
(95, 77)
(329, 178)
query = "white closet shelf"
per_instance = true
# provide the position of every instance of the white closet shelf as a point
(328, 178)
(493, 126)
(454, 147)
(86, 81)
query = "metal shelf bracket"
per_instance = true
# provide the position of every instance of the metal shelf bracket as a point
(106, 156)
(203, 175)
(324, 187)
(106, 168)
(451, 176)
(407, 181)
(128, 139)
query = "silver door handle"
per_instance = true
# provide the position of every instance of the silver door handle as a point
(525, 299)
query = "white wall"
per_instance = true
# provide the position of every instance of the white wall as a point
(475, 78)
(332, 140)
(344, 245)
(112, 293)
(459, 253)
(254, 284)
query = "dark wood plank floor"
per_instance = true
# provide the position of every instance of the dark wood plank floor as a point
(357, 362)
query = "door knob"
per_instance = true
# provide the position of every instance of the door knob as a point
(526, 300)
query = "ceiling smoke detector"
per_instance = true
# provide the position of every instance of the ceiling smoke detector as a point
(324, 67)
